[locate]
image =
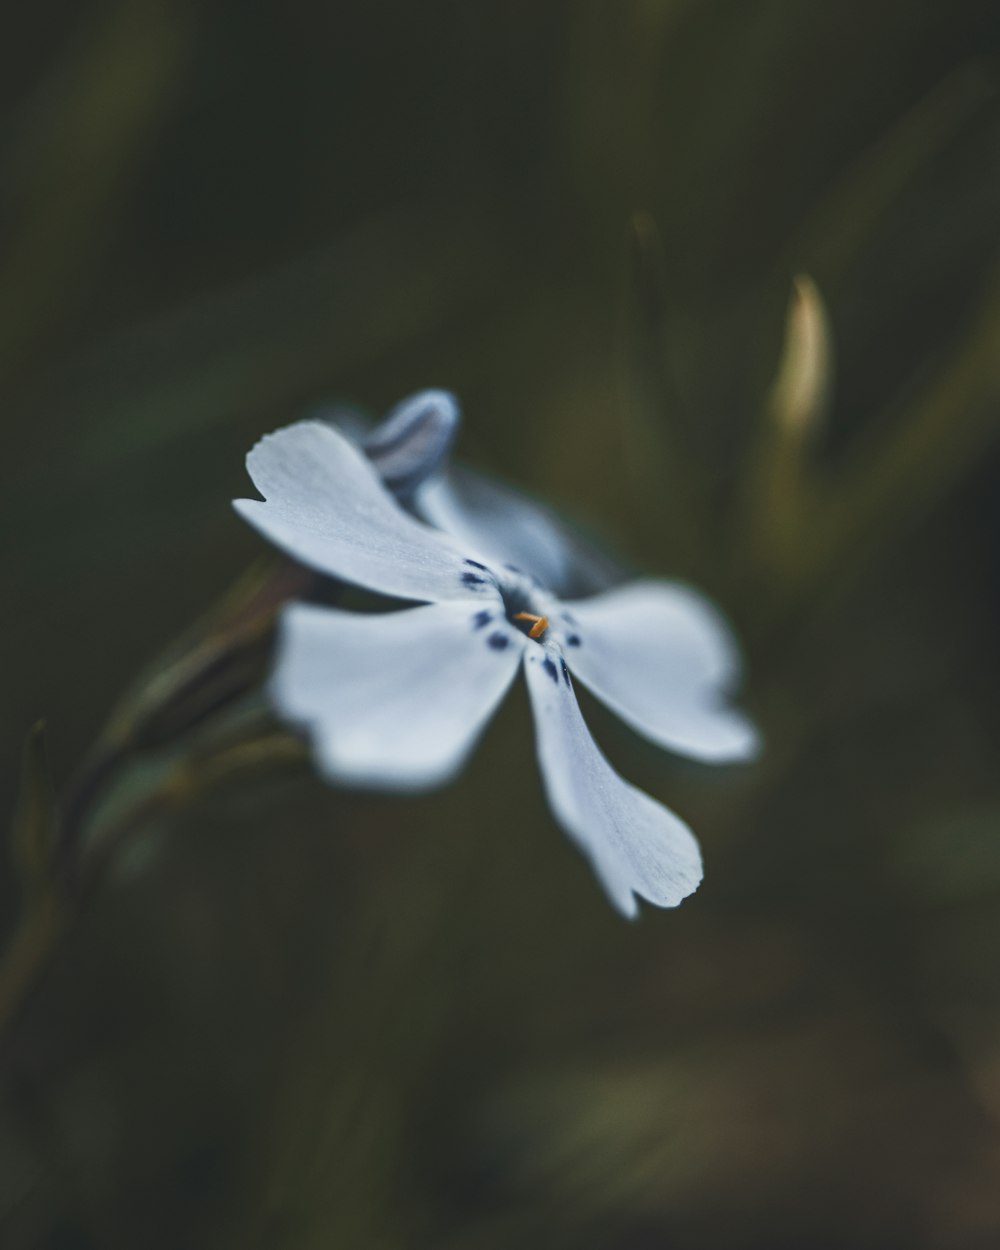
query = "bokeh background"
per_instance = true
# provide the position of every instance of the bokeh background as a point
(292, 1017)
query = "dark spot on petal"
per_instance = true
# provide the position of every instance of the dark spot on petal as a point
(472, 579)
(512, 568)
(573, 640)
(498, 641)
(569, 618)
(481, 619)
(549, 665)
(476, 565)
(565, 672)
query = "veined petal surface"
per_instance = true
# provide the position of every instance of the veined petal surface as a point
(663, 658)
(397, 700)
(324, 505)
(636, 846)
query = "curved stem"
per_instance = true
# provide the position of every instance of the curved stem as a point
(47, 917)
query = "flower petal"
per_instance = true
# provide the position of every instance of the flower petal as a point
(326, 507)
(413, 440)
(394, 701)
(512, 528)
(635, 844)
(663, 658)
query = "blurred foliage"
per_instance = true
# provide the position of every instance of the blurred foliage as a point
(723, 280)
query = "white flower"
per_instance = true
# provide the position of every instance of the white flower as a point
(410, 449)
(397, 700)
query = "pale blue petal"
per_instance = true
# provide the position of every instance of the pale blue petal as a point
(413, 440)
(636, 846)
(326, 507)
(663, 658)
(394, 701)
(513, 529)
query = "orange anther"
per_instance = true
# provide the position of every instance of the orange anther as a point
(541, 623)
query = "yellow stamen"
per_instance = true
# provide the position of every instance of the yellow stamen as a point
(540, 626)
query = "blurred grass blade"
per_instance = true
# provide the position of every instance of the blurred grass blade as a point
(908, 465)
(801, 392)
(77, 155)
(848, 217)
(778, 491)
(661, 475)
(33, 829)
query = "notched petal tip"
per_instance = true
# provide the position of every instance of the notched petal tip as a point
(662, 867)
(325, 506)
(636, 846)
(632, 911)
(245, 507)
(257, 459)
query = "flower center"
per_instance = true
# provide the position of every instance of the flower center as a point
(539, 623)
(526, 605)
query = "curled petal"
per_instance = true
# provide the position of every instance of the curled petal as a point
(513, 529)
(636, 846)
(663, 658)
(413, 440)
(325, 506)
(393, 701)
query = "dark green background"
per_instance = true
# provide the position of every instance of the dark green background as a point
(300, 1018)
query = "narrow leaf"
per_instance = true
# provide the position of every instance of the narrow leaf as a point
(34, 825)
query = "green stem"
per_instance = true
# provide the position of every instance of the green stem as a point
(28, 952)
(47, 917)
